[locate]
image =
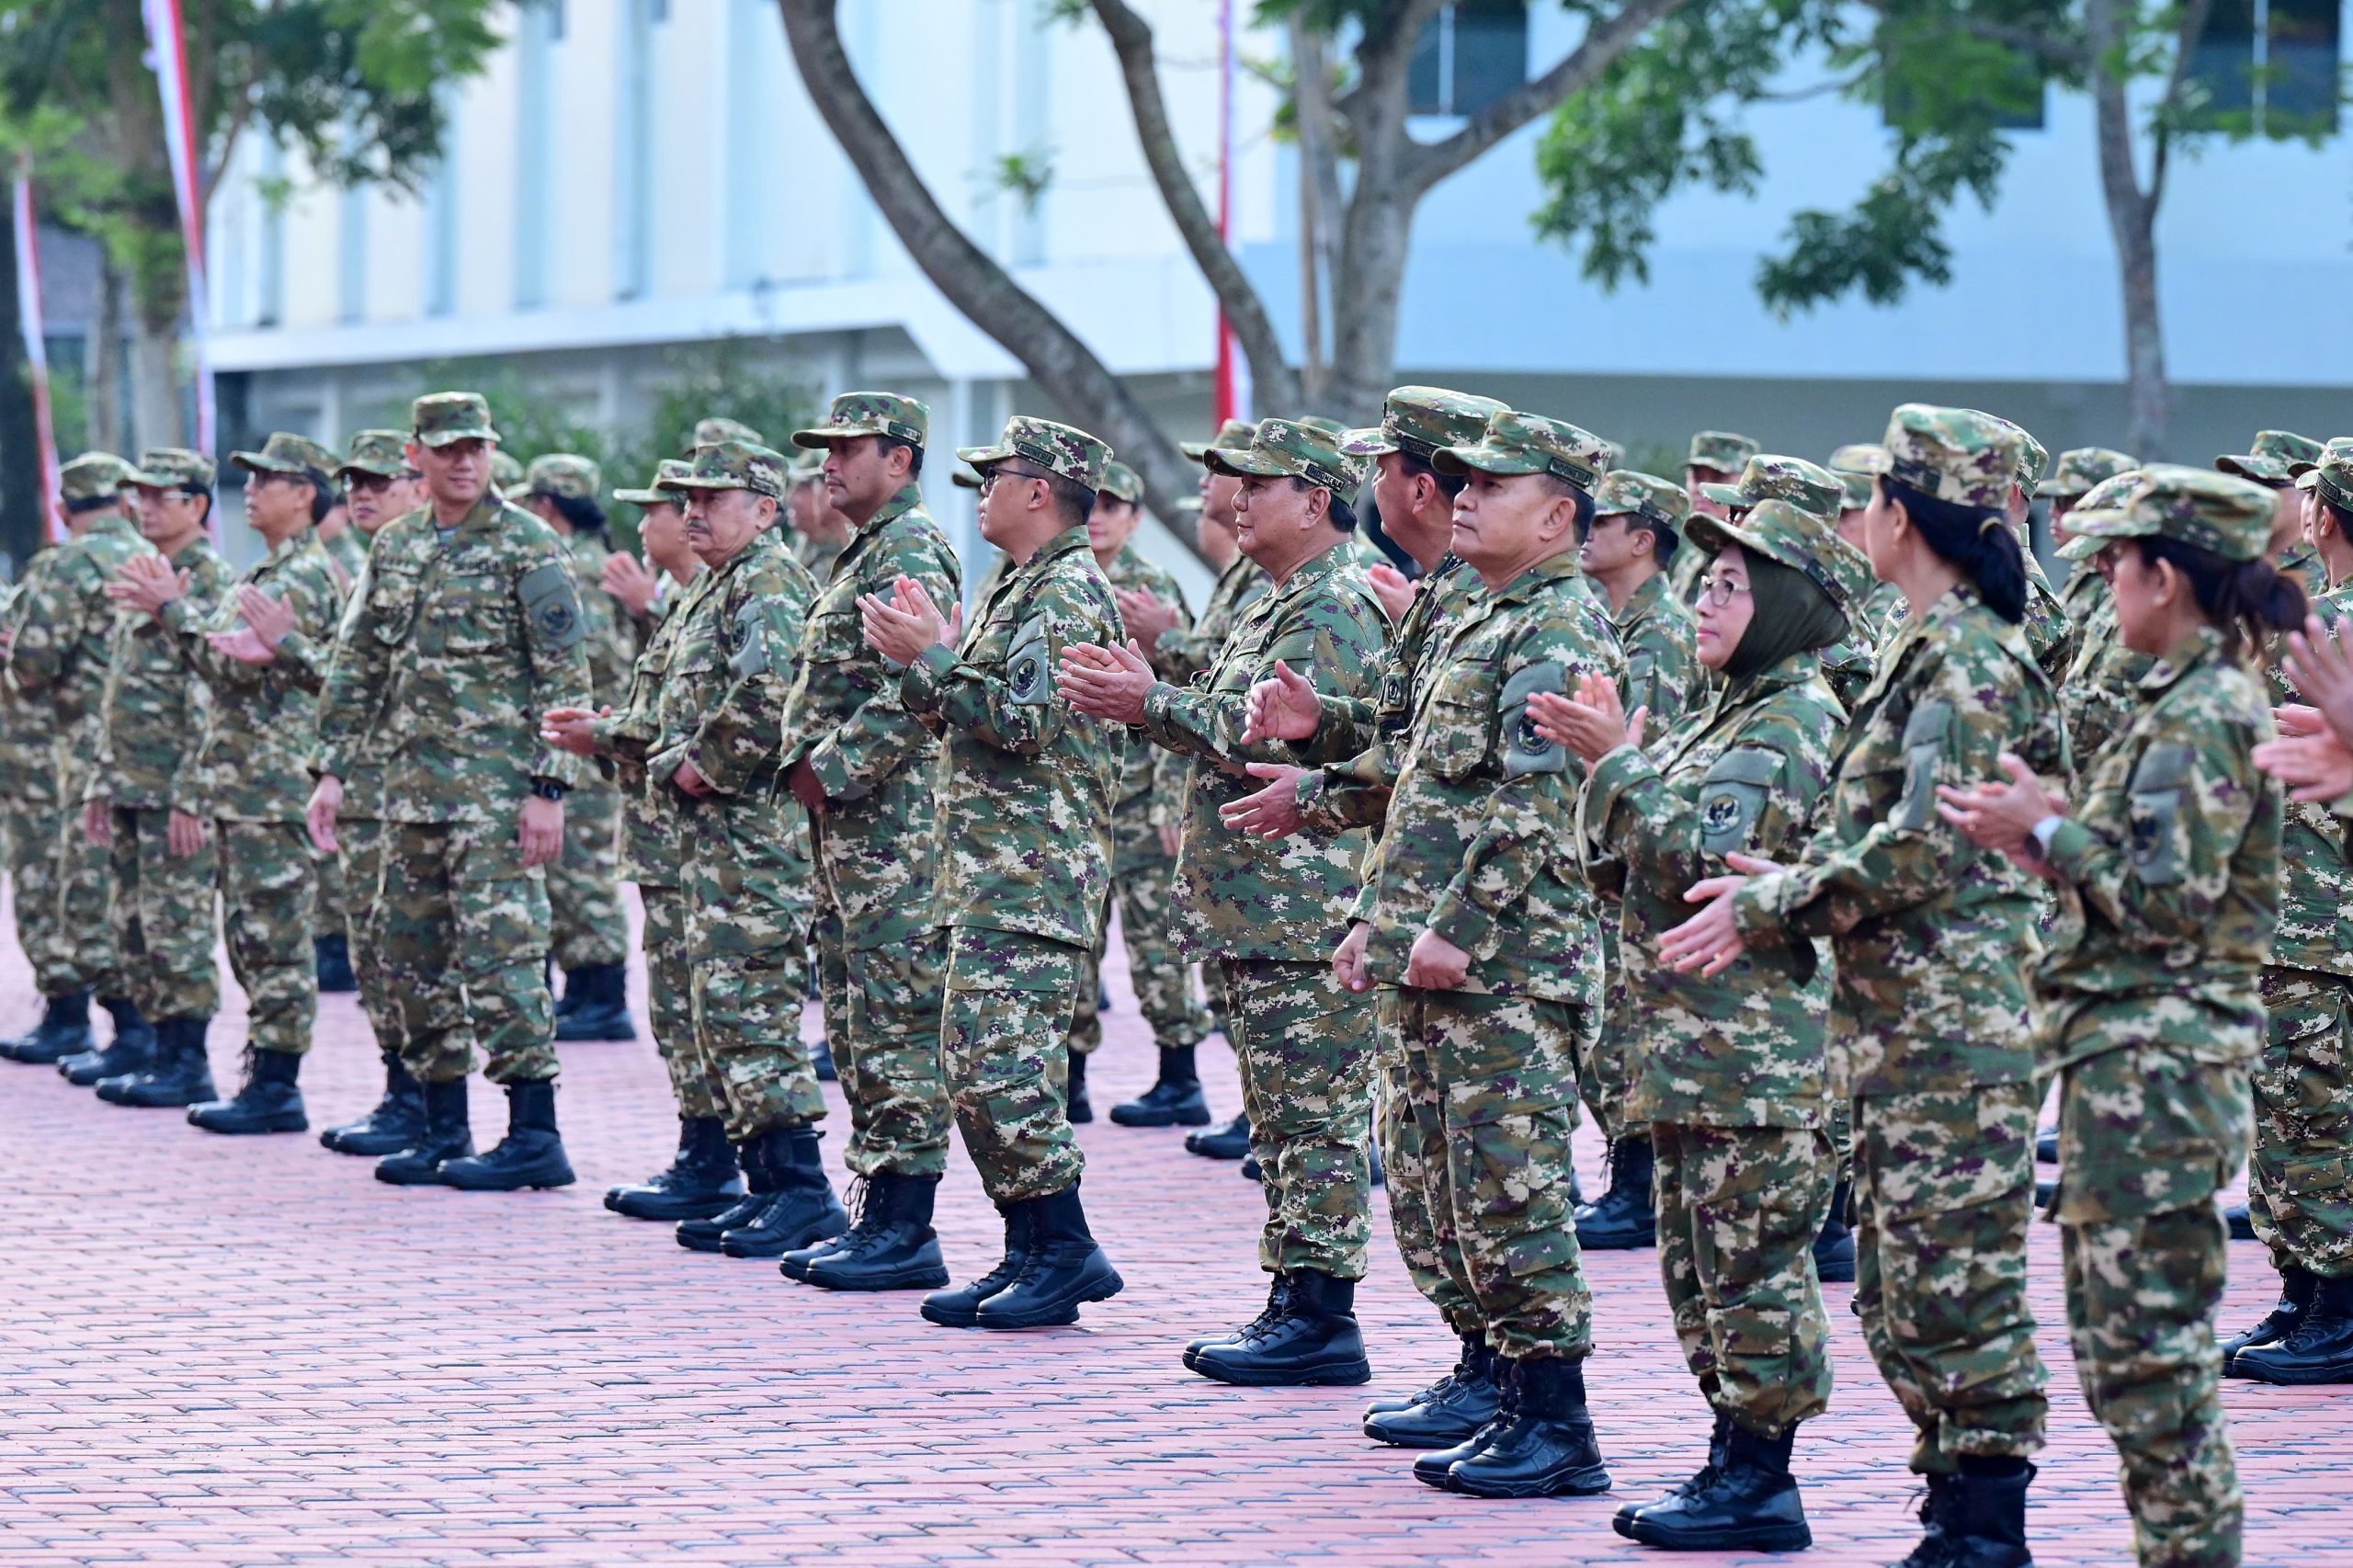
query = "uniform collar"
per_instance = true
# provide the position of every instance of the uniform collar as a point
(1557, 568)
(909, 497)
(1655, 595)
(2197, 648)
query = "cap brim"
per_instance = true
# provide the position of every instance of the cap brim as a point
(150, 481)
(2308, 480)
(451, 437)
(642, 497)
(1484, 459)
(1243, 465)
(373, 470)
(1369, 443)
(1728, 496)
(696, 481)
(258, 463)
(981, 459)
(2262, 469)
(818, 436)
(2093, 533)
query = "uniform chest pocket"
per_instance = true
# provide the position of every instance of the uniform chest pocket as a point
(472, 613)
(1731, 797)
(836, 637)
(1638, 667)
(1457, 724)
(2159, 780)
(1924, 748)
(392, 602)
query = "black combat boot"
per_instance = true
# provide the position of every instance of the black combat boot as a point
(1939, 1526)
(397, 1121)
(331, 957)
(892, 1247)
(2046, 1146)
(702, 1235)
(1988, 1525)
(1547, 1449)
(700, 1181)
(64, 1031)
(268, 1102)
(820, 1058)
(182, 1075)
(1278, 1294)
(1751, 1504)
(1251, 1169)
(1623, 1522)
(2235, 1218)
(1834, 1245)
(531, 1154)
(1175, 1098)
(602, 1010)
(1062, 1270)
(567, 1003)
(1075, 1105)
(960, 1307)
(2319, 1349)
(2295, 1296)
(130, 1053)
(1227, 1142)
(1446, 1412)
(443, 1133)
(1435, 1468)
(1313, 1343)
(1622, 1218)
(800, 1206)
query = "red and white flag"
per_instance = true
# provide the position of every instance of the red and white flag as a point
(30, 319)
(169, 59)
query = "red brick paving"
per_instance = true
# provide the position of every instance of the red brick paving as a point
(249, 1352)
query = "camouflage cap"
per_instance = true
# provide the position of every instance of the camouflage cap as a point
(1629, 491)
(1806, 541)
(173, 468)
(965, 478)
(2108, 494)
(439, 418)
(1417, 421)
(1058, 448)
(734, 465)
(505, 471)
(709, 431)
(871, 413)
(659, 490)
(383, 453)
(1286, 448)
(2081, 469)
(1953, 454)
(568, 476)
(286, 453)
(1769, 476)
(1121, 483)
(1855, 464)
(1723, 450)
(2278, 457)
(1233, 436)
(2218, 512)
(2033, 456)
(93, 476)
(2332, 478)
(1529, 443)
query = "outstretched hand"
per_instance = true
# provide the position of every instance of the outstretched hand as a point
(1281, 708)
(1590, 722)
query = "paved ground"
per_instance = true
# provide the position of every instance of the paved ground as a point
(251, 1353)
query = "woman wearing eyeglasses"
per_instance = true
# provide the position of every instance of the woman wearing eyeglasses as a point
(1932, 938)
(1730, 1069)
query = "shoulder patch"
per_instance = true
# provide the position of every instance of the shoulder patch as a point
(552, 605)
(1025, 665)
(1525, 749)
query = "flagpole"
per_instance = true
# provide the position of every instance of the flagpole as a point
(1225, 404)
(35, 336)
(167, 48)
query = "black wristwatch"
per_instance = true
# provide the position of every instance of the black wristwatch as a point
(548, 788)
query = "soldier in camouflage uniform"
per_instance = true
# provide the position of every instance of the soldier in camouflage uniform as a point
(1150, 798)
(1024, 822)
(262, 653)
(1849, 665)
(29, 781)
(820, 533)
(1269, 911)
(867, 773)
(1882, 612)
(590, 933)
(2168, 877)
(1929, 1015)
(2101, 690)
(2278, 459)
(1715, 457)
(1734, 1073)
(2048, 630)
(58, 658)
(465, 631)
(141, 806)
(507, 473)
(1475, 912)
(2300, 1177)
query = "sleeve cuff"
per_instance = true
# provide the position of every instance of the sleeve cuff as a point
(2070, 843)
(1454, 918)
(919, 684)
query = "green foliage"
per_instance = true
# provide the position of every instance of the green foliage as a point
(356, 84)
(1894, 233)
(1026, 176)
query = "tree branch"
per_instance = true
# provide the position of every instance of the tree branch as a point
(1246, 312)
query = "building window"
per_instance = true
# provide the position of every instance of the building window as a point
(2271, 64)
(1471, 54)
(2020, 107)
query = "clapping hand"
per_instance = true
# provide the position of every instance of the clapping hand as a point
(1591, 723)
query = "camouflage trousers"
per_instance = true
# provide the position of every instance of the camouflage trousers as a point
(1305, 1046)
(670, 1003)
(267, 889)
(1739, 1208)
(360, 859)
(1944, 1189)
(61, 899)
(1491, 1081)
(1003, 1039)
(746, 887)
(2146, 1137)
(2301, 1180)
(882, 1012)
(1605, 1073)
(1163, 981)
(460, 925)
(586, 923)
(161, 908)
(329, 898)
(1410, 1218)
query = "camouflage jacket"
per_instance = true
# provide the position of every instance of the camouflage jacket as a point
(452, 649)
(2315, 871)
(1025, 784)
(1477, 842)
(2049, 633)
(1239, 895)
(653, 845)
(817, 556)
(2169, 869)
(846, 717)
(1141, 780)
(66, 631)
(1663, 673)
(1850, 667)
(2101, 686)
(1745, 1049)
(1180, 655)
(2302, 562)
(253, 764)
(348, 551)
(1933, 937)
(1880, 616)
(152, 710)
(612, 646)
(28, 728)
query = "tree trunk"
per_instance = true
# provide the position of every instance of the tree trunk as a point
(155, 410)
(102, 364)
(24, 510)
(2131, 225)
(2148, 394)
